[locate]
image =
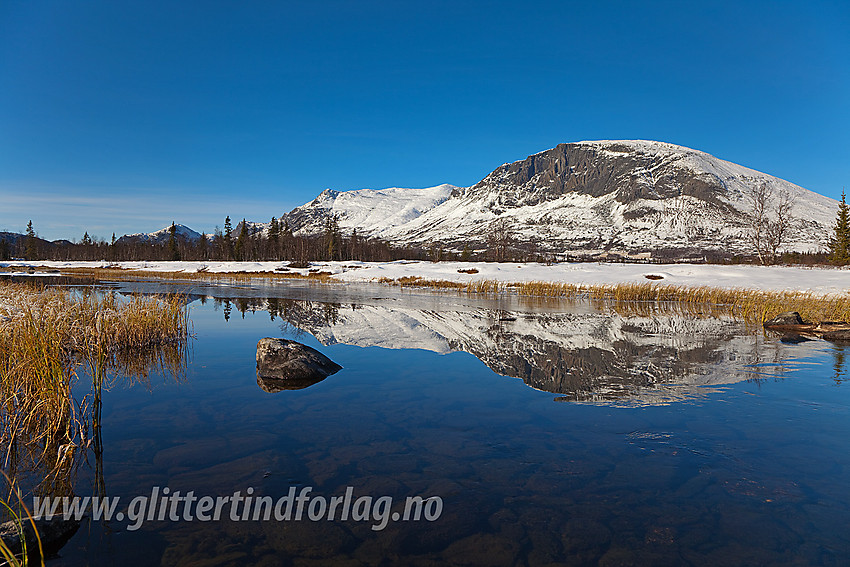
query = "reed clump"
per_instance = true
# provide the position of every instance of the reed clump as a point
(754, 306)
(47, 336)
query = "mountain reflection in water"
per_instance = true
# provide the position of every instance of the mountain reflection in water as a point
(581, 353)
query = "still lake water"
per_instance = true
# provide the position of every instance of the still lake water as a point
(553, 432)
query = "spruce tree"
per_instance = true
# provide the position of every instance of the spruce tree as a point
(331, 237)
(466, 255)
(839, 246)
(30, 252)
(287, 244)
(242, 241)
(202, 246)
(274, 238)
(228, 239)
(173, 250)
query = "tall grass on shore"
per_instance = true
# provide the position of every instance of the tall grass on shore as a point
(754, 306)
(48, 336)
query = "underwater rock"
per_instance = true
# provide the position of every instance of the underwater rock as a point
(289, 365)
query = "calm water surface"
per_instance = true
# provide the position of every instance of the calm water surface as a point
(555, 433)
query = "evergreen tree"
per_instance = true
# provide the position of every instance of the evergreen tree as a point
(331, 237)
(242, 242)
(839, 245)
(227, 238)
(274, 238)
(173, 250)
(30, 252)
(218, 240)
(466, 255)
(202, 246)
(286, 238)
(353, 243)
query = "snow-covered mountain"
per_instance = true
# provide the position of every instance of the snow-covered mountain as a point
(162, 235)
(372, 212)
(626, 195)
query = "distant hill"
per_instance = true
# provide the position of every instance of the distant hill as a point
(161, 236)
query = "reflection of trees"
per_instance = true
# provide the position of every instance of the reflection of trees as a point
(298, 316)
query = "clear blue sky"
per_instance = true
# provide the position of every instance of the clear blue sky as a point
(124, 116)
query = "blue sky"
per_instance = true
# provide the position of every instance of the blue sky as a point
(123, 116)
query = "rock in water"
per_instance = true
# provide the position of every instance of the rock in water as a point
(787, 319)
(288, 365)
(54, 533)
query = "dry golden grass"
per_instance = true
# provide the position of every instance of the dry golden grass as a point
(129, 274)
(47, 336)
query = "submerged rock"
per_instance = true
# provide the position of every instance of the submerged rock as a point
(54, 533)
(289, 365)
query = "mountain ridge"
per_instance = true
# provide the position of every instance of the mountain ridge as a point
(594, 196)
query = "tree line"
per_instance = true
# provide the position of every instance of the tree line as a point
(770, 225)
(276, 243)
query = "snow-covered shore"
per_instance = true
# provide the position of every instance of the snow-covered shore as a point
(776, 278)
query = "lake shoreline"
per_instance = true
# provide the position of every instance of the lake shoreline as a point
(753, 293)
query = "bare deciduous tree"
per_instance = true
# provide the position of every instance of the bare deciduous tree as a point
(770, 221)
(501, 238)
(778, 228)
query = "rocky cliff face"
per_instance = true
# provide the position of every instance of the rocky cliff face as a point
(629, 196)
